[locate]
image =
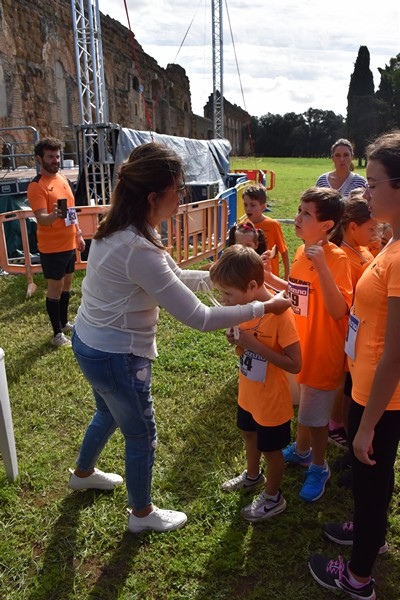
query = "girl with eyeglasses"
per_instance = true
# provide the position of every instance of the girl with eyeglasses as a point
(373, 349)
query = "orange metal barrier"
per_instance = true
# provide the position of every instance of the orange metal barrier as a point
(197, 232)
(88, 217)
(258, 175)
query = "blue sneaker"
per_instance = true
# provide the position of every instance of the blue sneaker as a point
(314, 485)
(334, 575)
(290, 455)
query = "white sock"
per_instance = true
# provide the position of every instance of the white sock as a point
(273, 498)
(252, 478)
(303, 453)
(353, 581)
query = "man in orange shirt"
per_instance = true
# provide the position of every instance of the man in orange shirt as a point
(269, 346)
(58, 234)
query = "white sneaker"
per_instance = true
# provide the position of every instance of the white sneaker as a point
(67, 327)
(157, 520)
(242, 482)
(60, 341)
(263, 508)
(96, 481)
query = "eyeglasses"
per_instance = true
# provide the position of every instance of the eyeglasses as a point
(181, 190)
(370, 186)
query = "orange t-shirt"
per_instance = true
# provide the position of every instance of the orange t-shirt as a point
(273, 234)
(43, 192)
(263, 387)
(359, 257)
(321, 337)
(380, 281)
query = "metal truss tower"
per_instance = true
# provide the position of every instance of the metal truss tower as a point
(218, 88)
(95, 136)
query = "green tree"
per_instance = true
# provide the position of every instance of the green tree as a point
(309, 134)
(388, 96)
(362, 113)
(324, 127)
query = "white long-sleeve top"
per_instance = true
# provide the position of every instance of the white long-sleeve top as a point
(127, 279)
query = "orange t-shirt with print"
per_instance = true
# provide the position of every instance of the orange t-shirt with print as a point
(43, 191)
(321, 337)
(273, 233)
(263, 387)
(380, 281)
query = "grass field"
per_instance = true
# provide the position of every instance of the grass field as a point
(56, 544)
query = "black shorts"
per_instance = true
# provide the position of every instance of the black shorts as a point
(57, 264)
(269, 439)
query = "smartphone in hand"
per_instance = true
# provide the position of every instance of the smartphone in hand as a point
(62, 205)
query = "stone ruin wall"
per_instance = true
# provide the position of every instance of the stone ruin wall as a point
(38, 84)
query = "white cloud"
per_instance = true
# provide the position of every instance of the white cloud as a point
(291, 55)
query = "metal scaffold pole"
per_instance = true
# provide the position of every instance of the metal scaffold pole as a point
(218, 88)
(96, 137)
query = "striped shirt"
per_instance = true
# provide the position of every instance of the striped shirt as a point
(352, 182)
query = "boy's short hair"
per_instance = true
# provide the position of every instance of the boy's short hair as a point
(237, 266)
(256, 192)
(48, 143)
(329, 204)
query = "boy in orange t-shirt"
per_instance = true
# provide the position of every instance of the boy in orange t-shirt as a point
(321, 290)
(268, 347)
(255, 202)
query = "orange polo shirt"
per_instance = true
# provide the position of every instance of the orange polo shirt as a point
(43, 192)
(321, 337)
(380, 281)
(269, 401)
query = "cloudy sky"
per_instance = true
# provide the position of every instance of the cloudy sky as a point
(292, 55)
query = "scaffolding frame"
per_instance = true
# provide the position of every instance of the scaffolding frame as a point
(96, 137)
(217, 50)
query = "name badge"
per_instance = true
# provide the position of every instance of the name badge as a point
(253, 366)
(299, 295)
(352, 330)
(72, 218)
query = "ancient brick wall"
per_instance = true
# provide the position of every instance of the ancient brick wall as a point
(235, 126)
(38, 82)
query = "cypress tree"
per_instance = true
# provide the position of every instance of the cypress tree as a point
(361, 121)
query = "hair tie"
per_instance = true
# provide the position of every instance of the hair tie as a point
(247, 226)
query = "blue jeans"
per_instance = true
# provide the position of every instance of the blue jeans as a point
(121, 387)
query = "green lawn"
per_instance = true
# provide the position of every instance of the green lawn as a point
(56, 544)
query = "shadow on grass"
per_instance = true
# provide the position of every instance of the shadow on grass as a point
(223, 571)
(55, 579)
(116, 571)
(17, 367)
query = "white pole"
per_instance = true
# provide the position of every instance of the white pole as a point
(7, 442)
